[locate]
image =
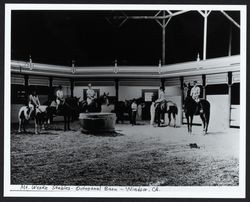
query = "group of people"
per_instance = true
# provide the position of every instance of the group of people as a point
(34, 102)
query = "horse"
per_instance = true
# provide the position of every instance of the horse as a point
(161, 109)
(95, 105)
(40, 117)
(191, 108)
(123, 107)
(68, 109)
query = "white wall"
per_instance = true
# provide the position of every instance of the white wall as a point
(66, 91)
(173, 91)
(130, 92)
(219, 113)
(14, 112)
(235, 115)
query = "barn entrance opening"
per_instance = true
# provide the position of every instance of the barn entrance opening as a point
(147, 95)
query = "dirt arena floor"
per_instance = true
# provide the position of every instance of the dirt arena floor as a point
(141, 155)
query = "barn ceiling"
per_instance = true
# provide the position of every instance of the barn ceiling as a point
(94, 38)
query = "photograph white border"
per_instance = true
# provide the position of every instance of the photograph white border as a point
(163, 192)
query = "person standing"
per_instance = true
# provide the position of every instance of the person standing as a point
(152, 113)
(134, 108)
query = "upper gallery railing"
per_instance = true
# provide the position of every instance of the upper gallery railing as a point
(215, 65)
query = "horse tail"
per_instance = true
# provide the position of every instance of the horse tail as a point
(208, 116)
(208, 112)
(176, 110)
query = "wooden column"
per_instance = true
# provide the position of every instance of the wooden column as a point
(230, 41)
(163, 82)
(116, 92)
(204, 86)
(182, 97)
(26, 84)
(205, 37)
(50, 88)
(164, 39)
(72, 81)
(229, 97)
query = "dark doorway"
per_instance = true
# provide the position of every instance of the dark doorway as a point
(147, 95)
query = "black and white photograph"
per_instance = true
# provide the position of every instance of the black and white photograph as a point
(125, 100)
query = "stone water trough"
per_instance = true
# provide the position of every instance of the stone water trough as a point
(97, 122)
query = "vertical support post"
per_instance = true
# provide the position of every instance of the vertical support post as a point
(116, 92)
(72, 87)
(26, 84)
(163, 82)
(205, 37)
(182, 97)
(229, 97)
(230, 42)
(204, 86)
(50, 88)
(163, 39)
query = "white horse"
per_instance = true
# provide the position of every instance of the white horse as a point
(40, 118)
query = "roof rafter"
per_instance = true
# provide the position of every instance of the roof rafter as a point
(152, 17)
(231, 19)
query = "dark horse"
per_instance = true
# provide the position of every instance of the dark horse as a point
(191, 108)
(161, 109)
(69, 109)
(123, 107)
(95, 105)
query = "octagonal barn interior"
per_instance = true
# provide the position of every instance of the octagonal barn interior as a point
(129, 55)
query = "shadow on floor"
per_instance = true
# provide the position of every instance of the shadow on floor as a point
(103, 134)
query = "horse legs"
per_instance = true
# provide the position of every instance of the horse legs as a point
(23, 125)
(130, 117)
(169, 118)
(174, 116)
(35, 120)
(191, 123)
(207, 116)
(162, 115)
(122, 118)
(65, 121)
(188, 124)
(159, 118)
(204, 122)
(68, 122)
(20, 124)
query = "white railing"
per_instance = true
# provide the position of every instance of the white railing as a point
(216, 65)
